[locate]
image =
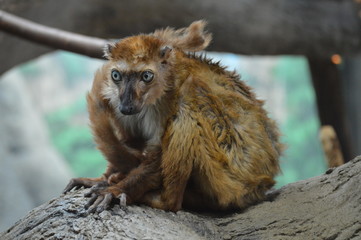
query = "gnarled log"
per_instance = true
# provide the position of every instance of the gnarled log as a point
(323, 207)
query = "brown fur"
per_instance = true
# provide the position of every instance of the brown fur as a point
(197, 136)
(331, 146)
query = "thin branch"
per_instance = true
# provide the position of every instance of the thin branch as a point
(52, 37)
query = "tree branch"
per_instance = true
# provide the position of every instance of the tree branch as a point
(251, 27)
(324, 207)
(330, 101)
(55, 38)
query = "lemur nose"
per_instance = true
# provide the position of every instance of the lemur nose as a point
(126, 109)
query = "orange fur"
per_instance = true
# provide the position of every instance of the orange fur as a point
(195, 136)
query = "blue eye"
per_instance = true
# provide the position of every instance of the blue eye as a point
(116, 76)
(147, 76)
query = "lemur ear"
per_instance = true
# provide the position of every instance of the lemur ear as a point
(165, 52)
(108, 50)
(193, 38)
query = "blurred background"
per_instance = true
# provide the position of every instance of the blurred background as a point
(44, 135)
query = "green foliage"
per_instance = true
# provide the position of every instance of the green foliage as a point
(75, 141)
(74, 68)
(29, 70)
(303, 157)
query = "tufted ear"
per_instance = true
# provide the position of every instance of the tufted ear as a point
(108, 50)
(192, 38)
(165, 52)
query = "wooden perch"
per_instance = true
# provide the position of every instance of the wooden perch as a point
(323, 207)
(55, 38)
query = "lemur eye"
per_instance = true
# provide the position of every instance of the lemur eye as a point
(116, 76)
(147, 76)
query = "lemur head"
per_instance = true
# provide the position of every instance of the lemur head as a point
(140, 67)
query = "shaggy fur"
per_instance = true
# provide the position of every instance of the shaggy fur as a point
(196, 136)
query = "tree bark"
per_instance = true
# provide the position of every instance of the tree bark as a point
(351, 86)
(251, 27)
(327, 83)
(323, 207)
(52, 37)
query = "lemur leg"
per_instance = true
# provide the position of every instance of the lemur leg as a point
(120, 157)
(76, 183)
(142, 179)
